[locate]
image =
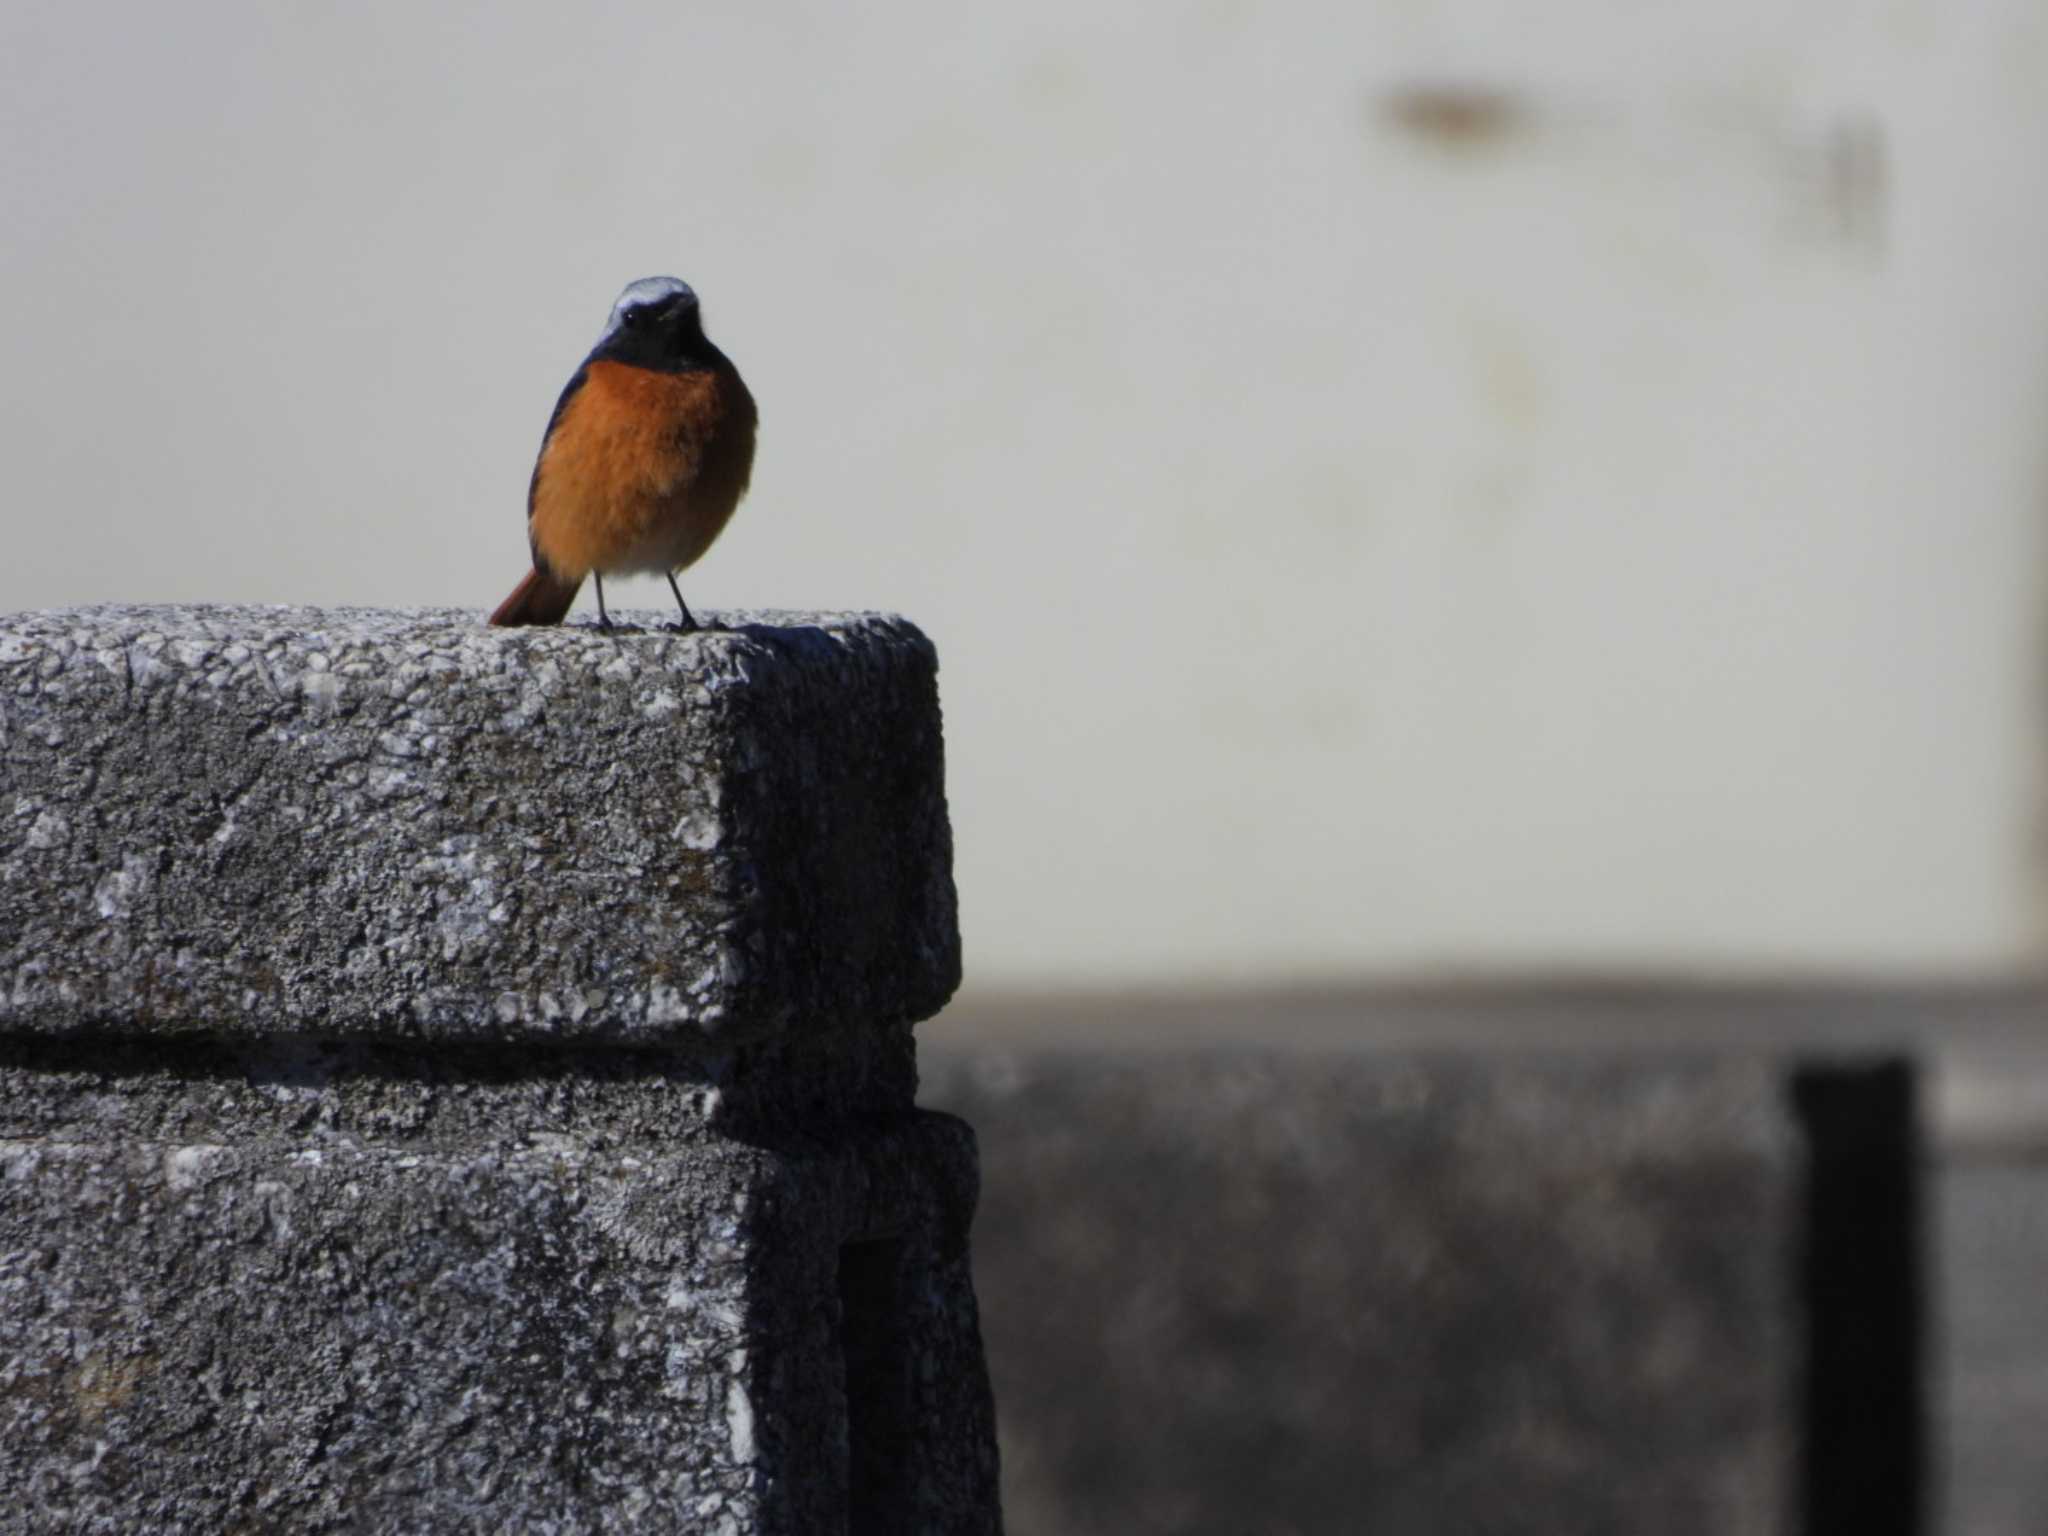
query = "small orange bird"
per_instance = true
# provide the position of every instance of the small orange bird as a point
(648, 452)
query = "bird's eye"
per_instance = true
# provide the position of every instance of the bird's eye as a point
(631, 318)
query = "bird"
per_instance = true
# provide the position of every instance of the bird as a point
(649, 450)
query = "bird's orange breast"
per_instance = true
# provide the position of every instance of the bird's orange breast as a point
(641, 471)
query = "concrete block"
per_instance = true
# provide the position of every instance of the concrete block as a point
(362, 823)
(1348, 1291)
(1991, 1211)
(462, 1082)
(336, 1289)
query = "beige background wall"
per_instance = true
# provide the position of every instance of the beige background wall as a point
(1405, 487)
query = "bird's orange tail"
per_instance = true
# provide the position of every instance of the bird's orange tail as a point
(543, 598)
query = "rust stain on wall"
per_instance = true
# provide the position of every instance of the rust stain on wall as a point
(1454, 116)
(102, 1384)
(1857, 178)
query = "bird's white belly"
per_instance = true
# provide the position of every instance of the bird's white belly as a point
(674, 542)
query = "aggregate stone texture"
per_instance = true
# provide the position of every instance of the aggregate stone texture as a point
(377, 824)
(353, 1288)
(1231, 1291)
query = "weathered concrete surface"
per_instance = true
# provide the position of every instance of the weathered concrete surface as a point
(365, 823)
(462, 1081)
(1232, 1290)
(337, 1289)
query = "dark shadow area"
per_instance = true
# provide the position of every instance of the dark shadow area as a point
(879, 1441)
(1863, 1461)
(306, 1061)
(786, 1095)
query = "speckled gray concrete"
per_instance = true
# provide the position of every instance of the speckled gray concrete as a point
(345, 1290)
(365, 823)
(416, 1258)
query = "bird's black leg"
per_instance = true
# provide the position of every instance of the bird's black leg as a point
(604, 620)
(688, 622)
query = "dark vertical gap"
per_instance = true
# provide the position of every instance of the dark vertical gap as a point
(1864, 1416)
(879, 1433)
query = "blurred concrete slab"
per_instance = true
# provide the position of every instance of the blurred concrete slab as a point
(1992, 1227)
(1991, 1288)
(1592, 1014)
(1233, 1292)
(1129, 1176)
